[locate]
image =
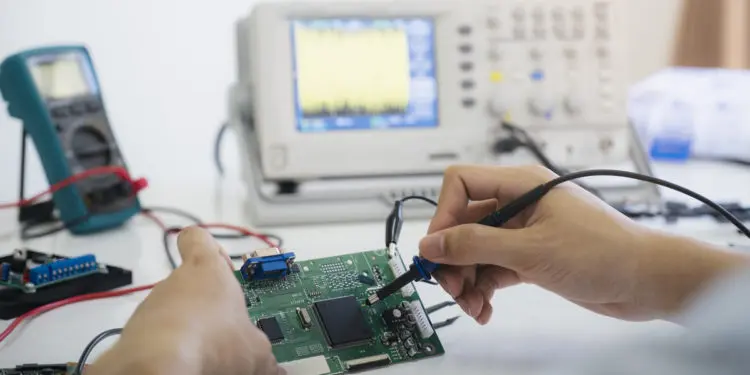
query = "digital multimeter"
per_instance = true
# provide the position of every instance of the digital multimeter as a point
(55, 92)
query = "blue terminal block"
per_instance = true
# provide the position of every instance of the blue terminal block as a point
(4, 272)
(268, 267)
(63, 269)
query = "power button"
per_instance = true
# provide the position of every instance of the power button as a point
(277, 157)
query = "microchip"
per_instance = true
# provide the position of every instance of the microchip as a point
(270, 326)
(343, 321)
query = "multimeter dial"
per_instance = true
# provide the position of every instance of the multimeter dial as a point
(90, 147)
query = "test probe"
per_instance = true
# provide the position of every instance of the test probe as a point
(422, 269)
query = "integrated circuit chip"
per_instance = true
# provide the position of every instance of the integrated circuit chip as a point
(272, 329)
(343, 321)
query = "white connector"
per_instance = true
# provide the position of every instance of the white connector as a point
(398, 268)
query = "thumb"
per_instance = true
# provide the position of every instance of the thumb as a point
(471, 244)
(198, 245)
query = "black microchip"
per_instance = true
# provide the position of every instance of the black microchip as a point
(343, 321)
(270, 326)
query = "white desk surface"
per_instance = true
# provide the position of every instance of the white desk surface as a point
(529, 325)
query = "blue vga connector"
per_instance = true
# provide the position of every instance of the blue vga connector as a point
(267, 264)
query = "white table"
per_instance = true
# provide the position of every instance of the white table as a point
(529, 325)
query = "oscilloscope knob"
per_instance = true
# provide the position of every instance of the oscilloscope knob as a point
(541, 105)
(498, 105)
(573, 104)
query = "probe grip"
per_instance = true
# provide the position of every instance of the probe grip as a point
(512, 209)
(393, 223)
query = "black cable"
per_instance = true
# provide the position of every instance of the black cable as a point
(540, 191)
(445, 323)
(167, 250)
(521, 138)
(90, 347)
(418, 197)
(217, 148)
(175, 211)
(439, 306)
(28, 227)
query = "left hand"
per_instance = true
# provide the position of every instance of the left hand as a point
(193, 322)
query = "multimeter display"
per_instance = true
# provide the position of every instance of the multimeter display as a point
(61, 76)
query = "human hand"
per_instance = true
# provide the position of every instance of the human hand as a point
(570, 243)
(193, 322)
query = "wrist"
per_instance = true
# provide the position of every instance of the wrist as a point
(674, 269)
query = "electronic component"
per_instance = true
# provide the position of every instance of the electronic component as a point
(343, 322)
(367, 363)
(64, 269)
(304, 317)
(272, 329)
(421, 319)
(55, 92)
(31, 279)
(270, 263)
(367, 280)
(560, 73)
(393, 317)
(41, 369)
(342, 328)
(26, 271)
(398, 268)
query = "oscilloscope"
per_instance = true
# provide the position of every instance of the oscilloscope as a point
(396, 90)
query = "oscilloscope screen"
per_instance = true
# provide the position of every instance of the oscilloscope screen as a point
(364, 74)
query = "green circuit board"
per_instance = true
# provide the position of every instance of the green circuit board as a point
(317, 319)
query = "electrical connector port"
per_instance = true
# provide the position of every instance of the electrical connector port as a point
(63, 269)
(266, 264)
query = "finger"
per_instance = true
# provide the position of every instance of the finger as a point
(474, 212)
(471, 244)
(452, 280)
(484, 316)
(471, 301)
(477, 183)
(492, 278)
(197, 245)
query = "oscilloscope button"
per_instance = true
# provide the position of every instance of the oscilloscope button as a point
(59, 112)
(464, 30)
(466, 66)
(77, 109)
(465, 48)
(468, 102)
(467, 84)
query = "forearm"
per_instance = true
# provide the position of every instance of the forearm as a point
(674, 269)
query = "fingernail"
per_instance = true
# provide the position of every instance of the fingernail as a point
(431, 246)
(464, 306)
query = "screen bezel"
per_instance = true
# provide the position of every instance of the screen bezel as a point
(84, 64)
(368, 152)
(435, 102)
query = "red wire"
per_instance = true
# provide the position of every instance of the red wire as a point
(83, 297)
(121, 172)
(242, 230)
(116, 293)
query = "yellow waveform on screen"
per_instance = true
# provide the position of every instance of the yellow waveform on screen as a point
(362, 72)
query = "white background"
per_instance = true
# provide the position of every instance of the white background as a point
(165, 67)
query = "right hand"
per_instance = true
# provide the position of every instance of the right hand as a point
(570, 243)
